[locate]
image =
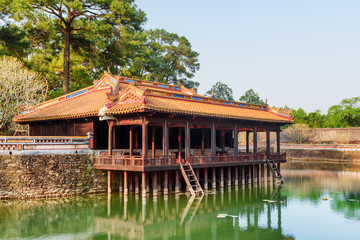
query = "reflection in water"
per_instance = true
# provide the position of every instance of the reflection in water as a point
(251, 212)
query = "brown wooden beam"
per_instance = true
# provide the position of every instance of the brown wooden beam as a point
(166, 137)
(187, 140)
(213, 139)
(278, 140)
(153, 143)
(255, 140)
(144, 137)
(236, 140)
(110, 137)
(268, 142)
(131, 146)
(247, 142)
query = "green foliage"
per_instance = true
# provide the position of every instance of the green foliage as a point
(345, 114)
(104, 36)
(221, 91)
(251, 97)
(164, 57)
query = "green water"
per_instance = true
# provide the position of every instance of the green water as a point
(299, 211)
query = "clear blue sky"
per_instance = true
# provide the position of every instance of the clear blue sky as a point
(303, 53)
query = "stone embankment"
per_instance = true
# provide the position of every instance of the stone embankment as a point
(42, 176)
(322, 156)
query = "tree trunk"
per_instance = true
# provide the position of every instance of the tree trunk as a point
(66, 76)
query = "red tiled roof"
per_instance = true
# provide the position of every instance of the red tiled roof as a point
(146, 96)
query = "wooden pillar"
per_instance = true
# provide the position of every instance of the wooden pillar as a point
(166, 138)
(177, 181)
(236, 176)
(268, 142)
(247, 142)
(268, 172)
(110, 137)
(202, 141)
(213, 178)
(229, 177)
(187, 140)
(155, 187)
(136, 183)
(222, 177)
(255, 140)
(147, 183)
(143, 184)
(144, 138)
(278, 140)
(236, 141)
(131, 185)
(166, 182)
(243, 175)
(206, 179)
(223, 142)
(121, 178)
(213, 139)
(126, 189)
(255, 173)
(109, 182)
(153, 142)
(131, 146)
(262, 172)
(250, 173)
(180, 144)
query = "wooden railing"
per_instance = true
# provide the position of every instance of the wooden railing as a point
(126, 160)
(135, 160)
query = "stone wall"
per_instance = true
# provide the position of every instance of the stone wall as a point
(323, 154)
(36, 176)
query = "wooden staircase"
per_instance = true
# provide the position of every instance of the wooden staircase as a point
(190, 179)
(275, 170)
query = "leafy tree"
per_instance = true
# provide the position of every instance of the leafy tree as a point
(221, 91)
(165, 57)
(13, 41)
(345, 114)
(300, 116)
(19, 88)
(98, 19)
(251, 97)
(315, 119)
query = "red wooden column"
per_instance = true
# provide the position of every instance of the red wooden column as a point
(247, 142)
(166, 138)
(166, 182)
(144, 138)
(187, 140)
(268, 151)
(110, 137)
(255, 139)
(136, 182)
(180, 145)
(131, 146)
(202, 141)
(223, 141)
(153, 143)
(236, 142)
(278, 140)
(278, 145)
(213, 139)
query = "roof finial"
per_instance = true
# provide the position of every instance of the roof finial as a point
(212, 94)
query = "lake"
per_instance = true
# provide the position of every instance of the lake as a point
(309, 205)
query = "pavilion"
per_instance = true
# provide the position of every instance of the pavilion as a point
(144, 130)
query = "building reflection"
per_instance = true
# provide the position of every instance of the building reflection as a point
(248, 215)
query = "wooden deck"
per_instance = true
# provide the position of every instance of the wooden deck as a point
(159, 163)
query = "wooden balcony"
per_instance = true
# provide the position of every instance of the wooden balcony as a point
(158, 163)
